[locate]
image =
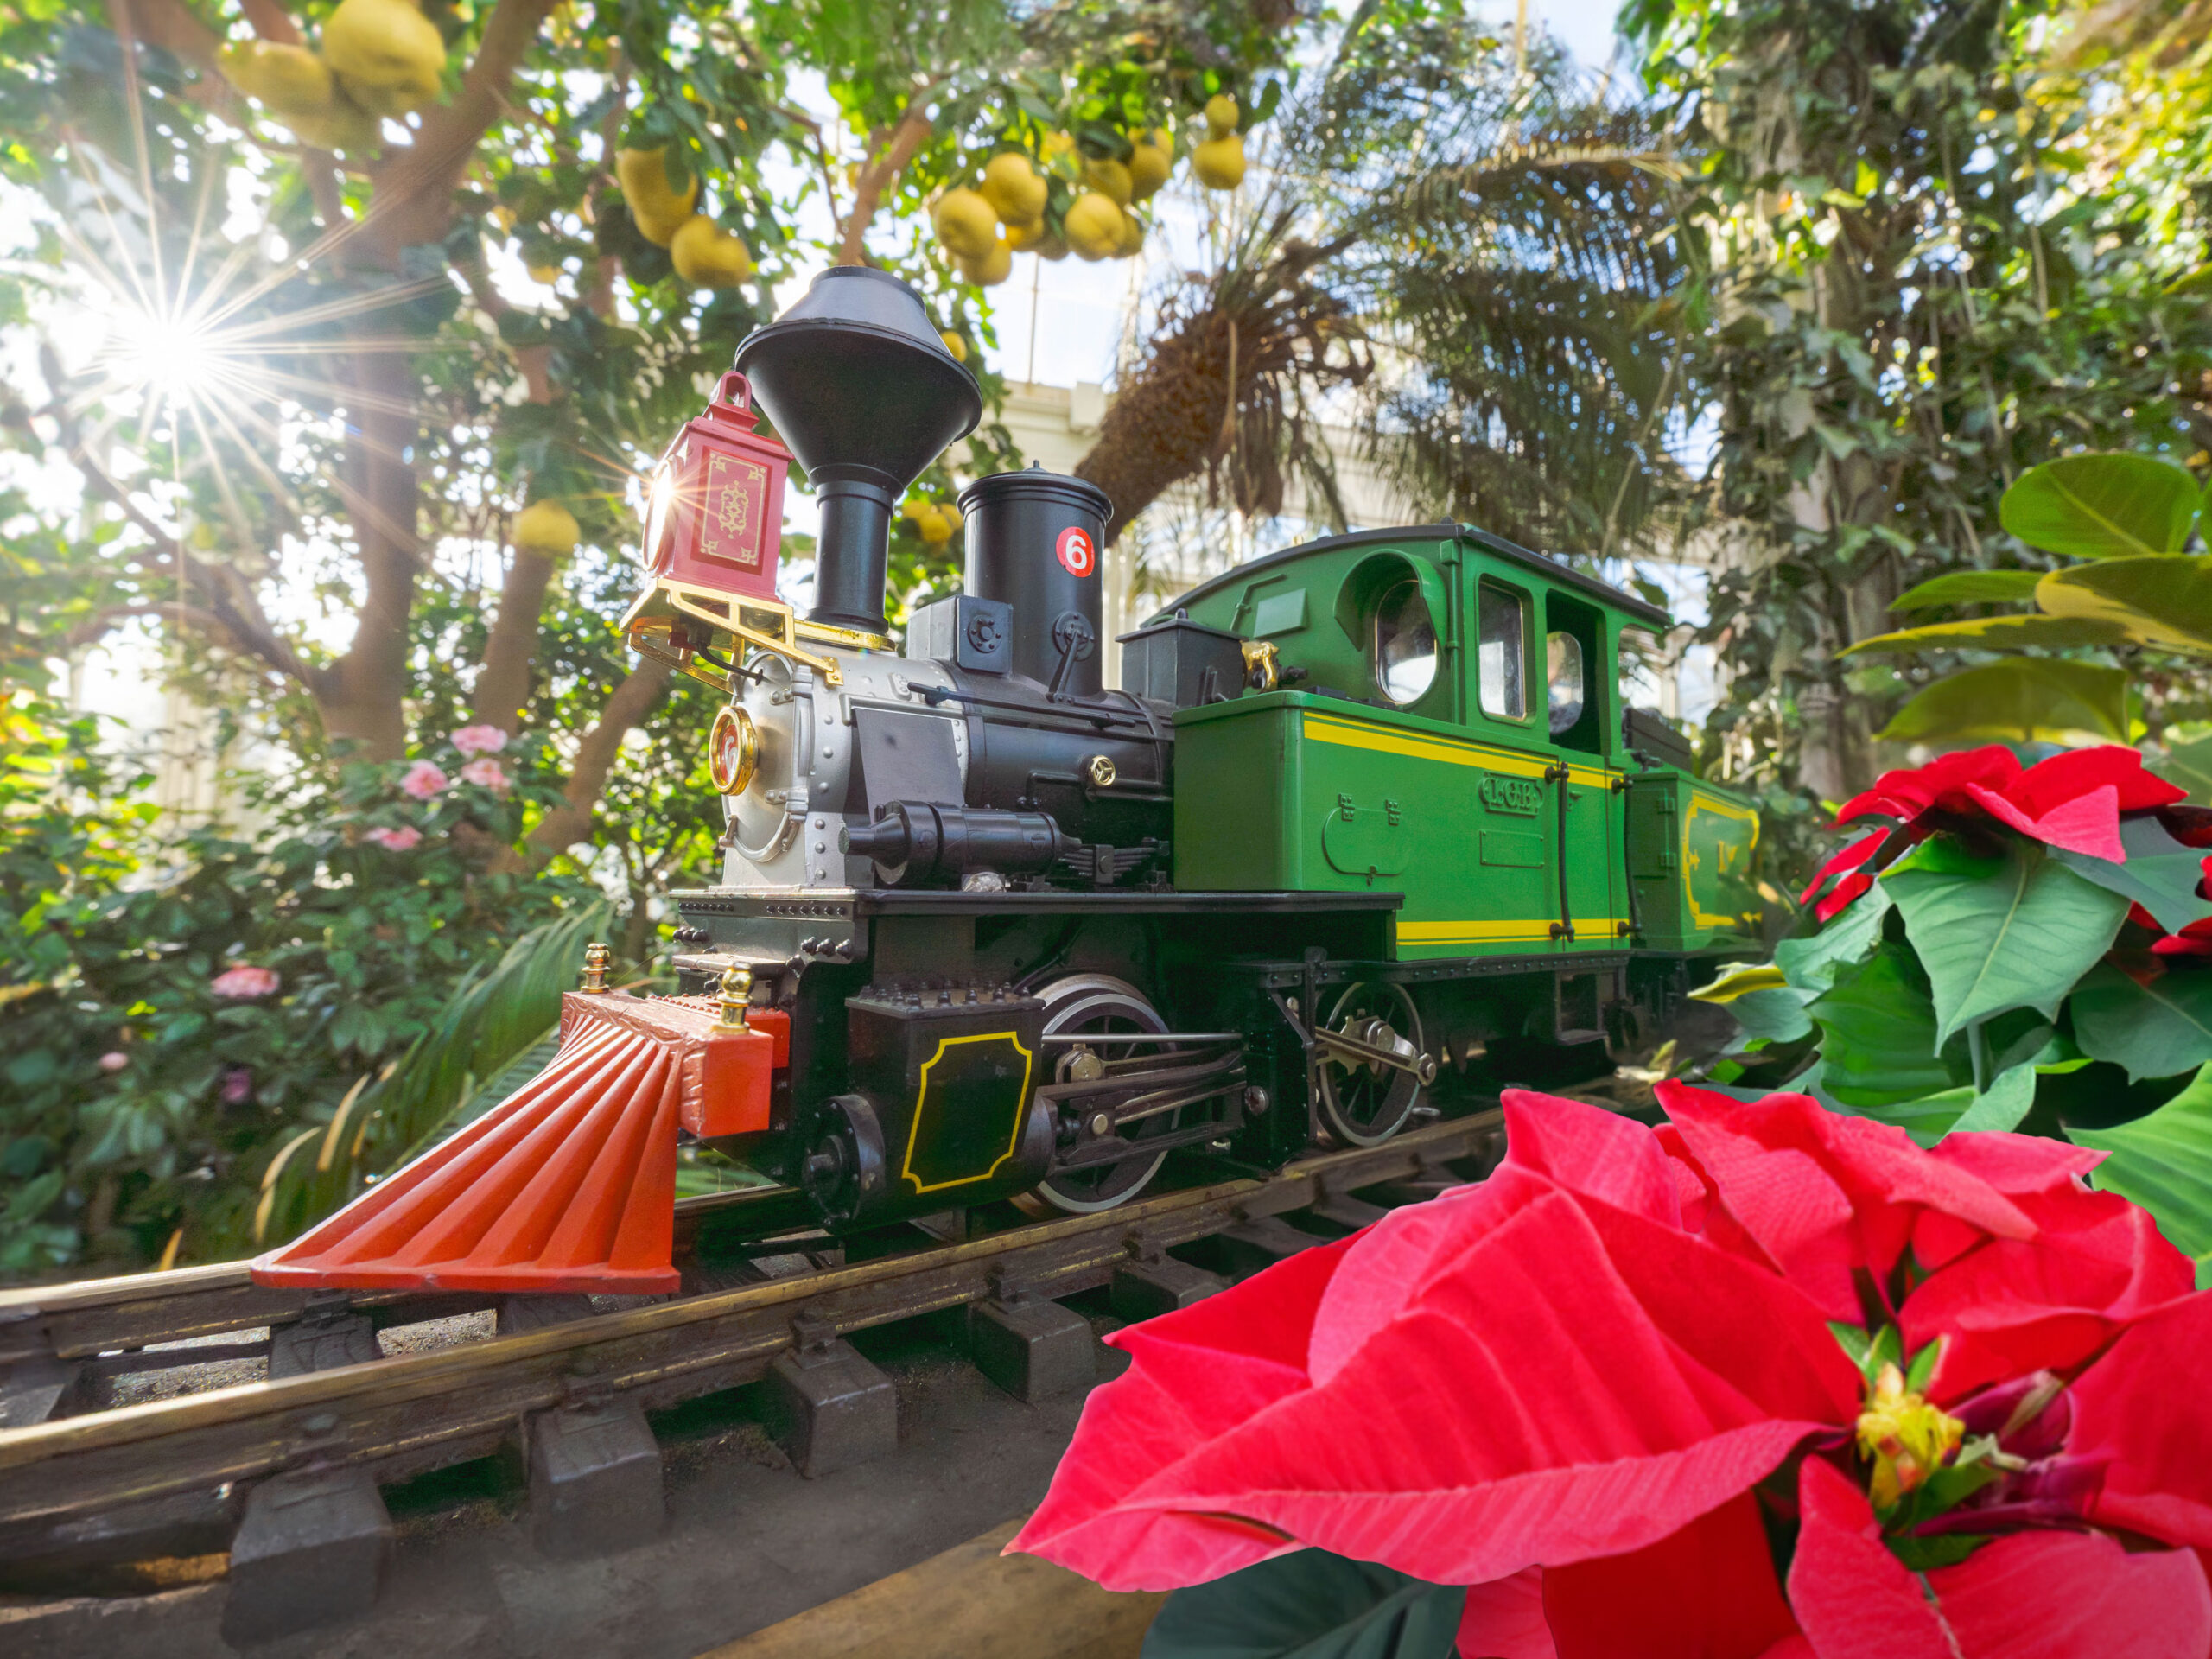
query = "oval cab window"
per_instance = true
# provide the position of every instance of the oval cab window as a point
(1404, 647)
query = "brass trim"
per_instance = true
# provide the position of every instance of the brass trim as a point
(1261, 672)
(748, 751)
(830, 634)
(747, 621)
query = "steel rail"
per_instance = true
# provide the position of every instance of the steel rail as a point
(89, 1317)
(400, 1416)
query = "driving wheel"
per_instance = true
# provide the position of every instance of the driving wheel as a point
(1082, 1005)
(1364, 1102)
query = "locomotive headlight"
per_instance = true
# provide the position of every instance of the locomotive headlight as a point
(660, 496)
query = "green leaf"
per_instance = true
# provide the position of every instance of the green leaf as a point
(2017, 939)
(2188, 765)
(2160, 874)
(1969, 588)
(1812, 964)
(1313, 1605)
(2102, 506)
(2000, 633)
(2011, 1093)
(2164, 1162)
(2164, 601)
(1878, 1032)
(2157, 1030)
(1776, 1014)
(2029, 699)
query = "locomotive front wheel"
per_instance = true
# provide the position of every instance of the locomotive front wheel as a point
(1364, 1102)
(1082, 1004)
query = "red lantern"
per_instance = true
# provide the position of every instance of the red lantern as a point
(715, 519)
(714, 532)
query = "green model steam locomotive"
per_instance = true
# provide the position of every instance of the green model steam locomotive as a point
(1365, 832)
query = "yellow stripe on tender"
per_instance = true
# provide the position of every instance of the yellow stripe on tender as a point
(1379, 740)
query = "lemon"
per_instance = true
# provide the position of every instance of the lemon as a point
(1108, 179)
(707, 255)
(1150, 161)
(1219, 163)
(951, 514)
(659, 212)
(1053, 246)
(1132, 235)
(956, 345)
(1026, 233)
(1012, 188)
(989, 271)
(346, 126)
(547, 527)
(387, 54)
(548, 275)
(1222, 115)
(1055, 145)
(285, 80)
(966, 224)
(931, 522)
(1094, 225)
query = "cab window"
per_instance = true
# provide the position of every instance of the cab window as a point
(1574, 692)
(1565, 682)
(1402, 649)
(1502, 651)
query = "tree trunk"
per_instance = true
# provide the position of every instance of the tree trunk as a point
(503, 684)
(360, 698)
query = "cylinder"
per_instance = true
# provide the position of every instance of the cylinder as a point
(1035, 542)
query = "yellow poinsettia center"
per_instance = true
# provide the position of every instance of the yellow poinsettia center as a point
(1906, 1438)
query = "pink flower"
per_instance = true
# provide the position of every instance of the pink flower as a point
(244, 983)
(114, 1060)
(484, 773)
(423, 779)
(403, 839)
(238, 1085)
(479, 740)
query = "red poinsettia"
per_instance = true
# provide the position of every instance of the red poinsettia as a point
(1602, 1384)
(2072, 800)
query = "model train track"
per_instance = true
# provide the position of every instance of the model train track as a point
(397, 1417)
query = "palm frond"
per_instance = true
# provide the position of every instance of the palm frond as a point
(469, 1059)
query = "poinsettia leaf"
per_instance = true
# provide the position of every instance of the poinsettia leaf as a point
(2002, 1105)
(2002, 634)
(1812, 964)
(2102, 506)
(1878, 1034)
(2019, 938)
(2156, 1030)
(2025, 699)
(1310, 1604)
(2164, 1162)
(2160, 874)
(1968, 588)
(2160, 600)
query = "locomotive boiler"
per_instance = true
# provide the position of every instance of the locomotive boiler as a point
(1364, 833)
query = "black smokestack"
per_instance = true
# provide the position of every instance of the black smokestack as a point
(863, 391)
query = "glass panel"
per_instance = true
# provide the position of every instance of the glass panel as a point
(1405, 644)
(1641, 686)
(1563, 675)
(1501, 653)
